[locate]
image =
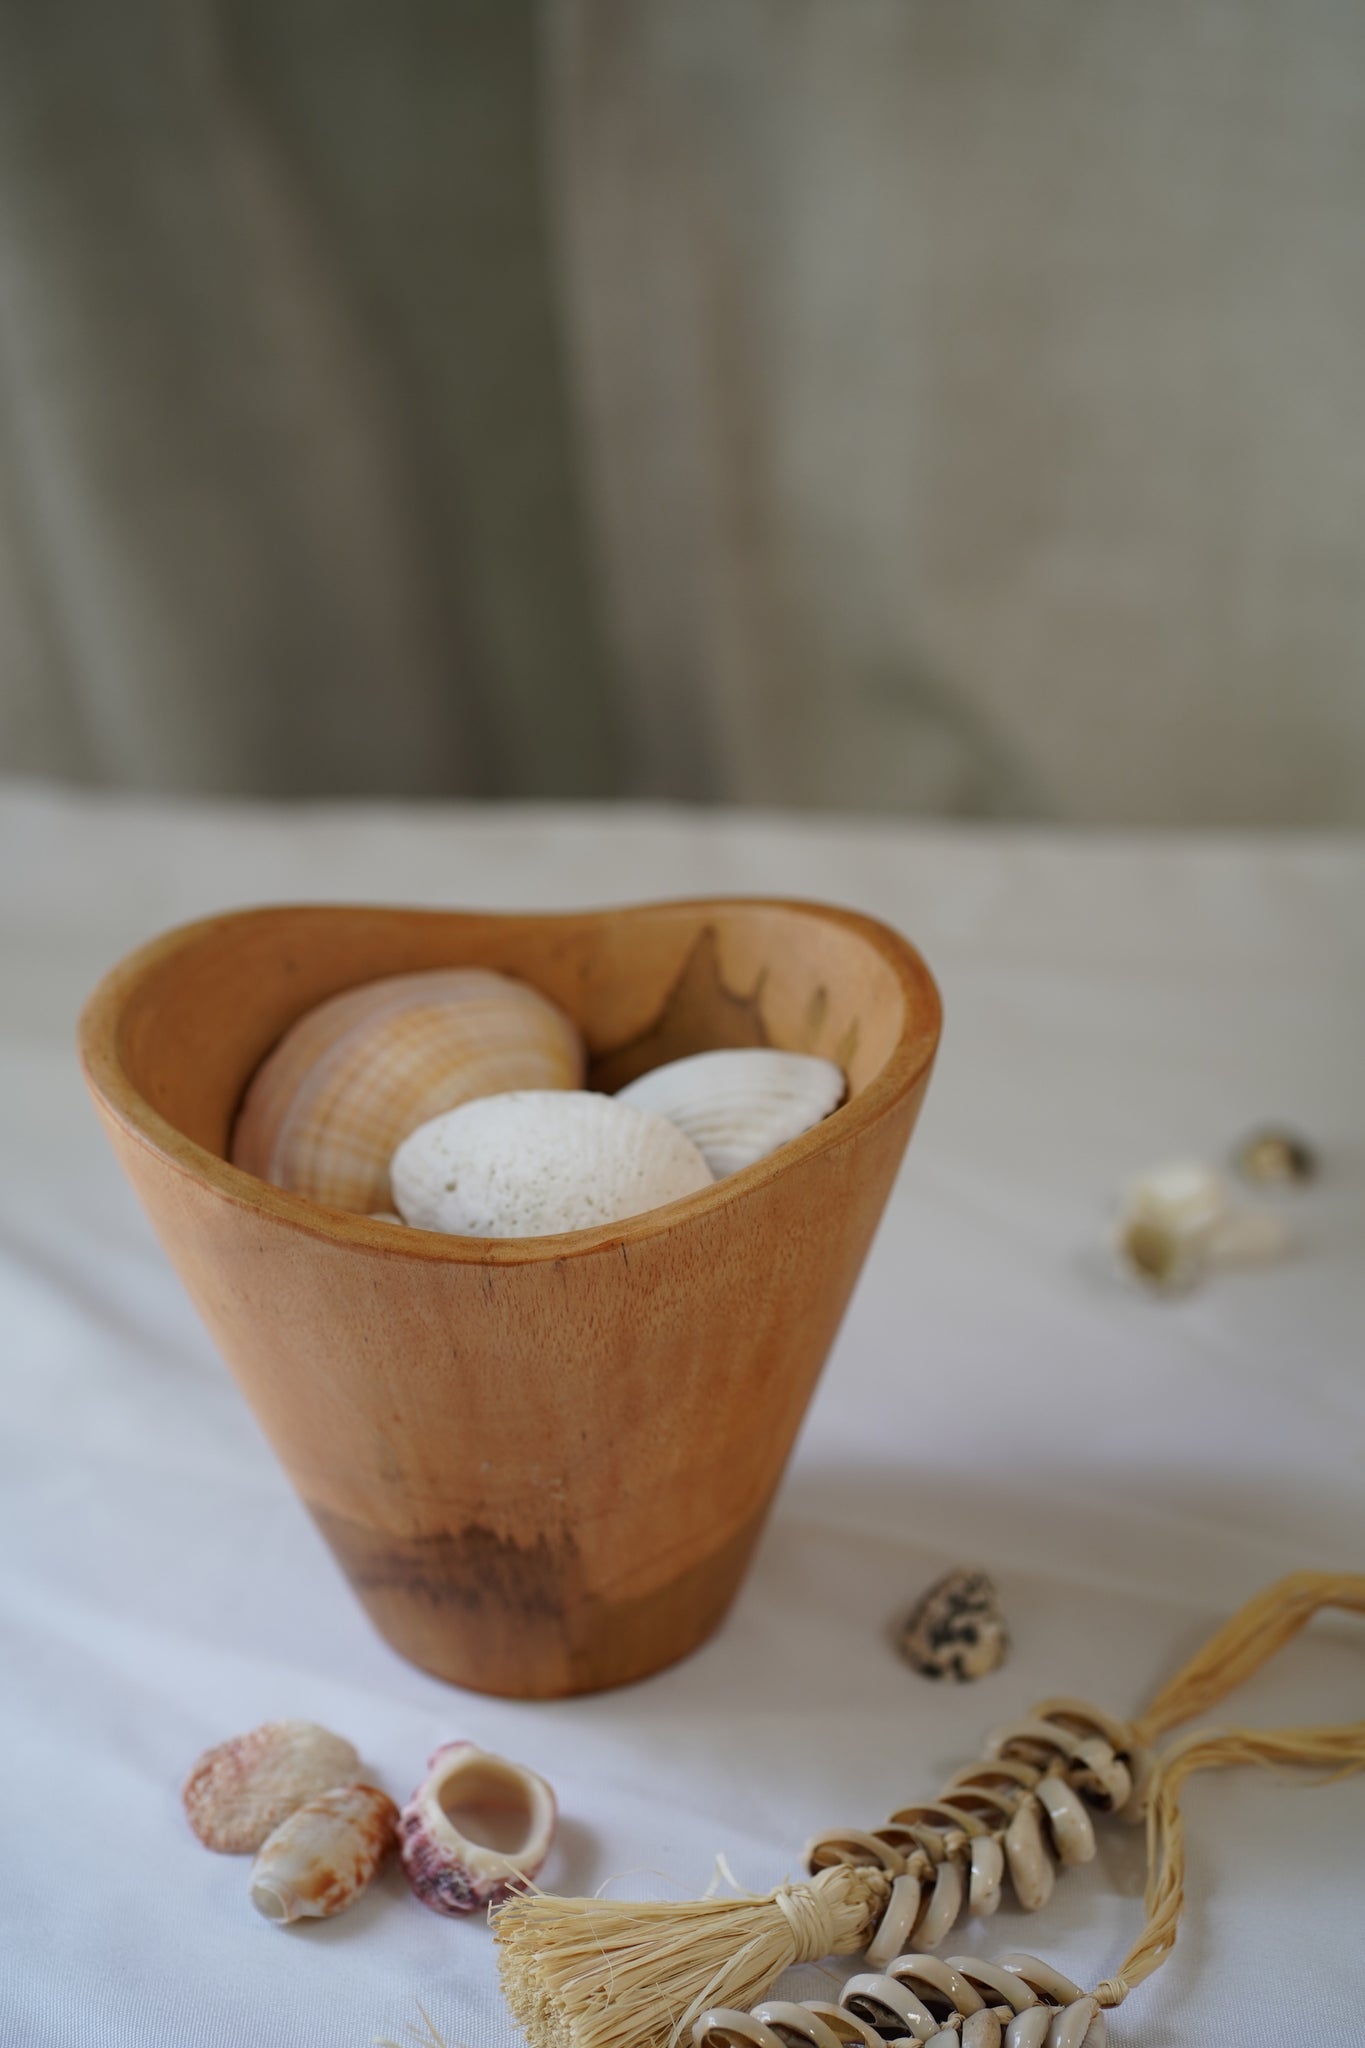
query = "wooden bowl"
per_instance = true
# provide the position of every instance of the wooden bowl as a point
(543, 1462)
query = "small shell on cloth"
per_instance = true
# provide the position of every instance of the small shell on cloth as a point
(321, 1859)
(739, 1106)
(957, 1628)
(352, 1077)
(531, 1163)
(1178, 1220)
(1273, 1157)
(238, 1793)
(474, 1827)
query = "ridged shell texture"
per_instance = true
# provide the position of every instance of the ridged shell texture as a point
(354, 1076)
(738, 1106)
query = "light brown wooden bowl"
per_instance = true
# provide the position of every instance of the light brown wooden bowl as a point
(542, 1462)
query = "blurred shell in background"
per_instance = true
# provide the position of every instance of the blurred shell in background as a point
(531, 1164)
(739, 1106)
(350, 1080)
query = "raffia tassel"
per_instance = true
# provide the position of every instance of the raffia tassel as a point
(622, 1973)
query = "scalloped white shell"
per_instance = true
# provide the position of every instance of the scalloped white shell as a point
(532, 1163)
(739, 1106)
(350, 1079)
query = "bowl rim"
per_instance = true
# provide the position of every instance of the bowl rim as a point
(905, 1067)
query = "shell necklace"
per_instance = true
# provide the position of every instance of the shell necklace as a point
(602, 1973)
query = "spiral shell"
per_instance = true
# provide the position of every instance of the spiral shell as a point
(352, 1077)
(320, 1860)
(738, 1106)
(238, 1793)
(531, 1164)
(475, 1826)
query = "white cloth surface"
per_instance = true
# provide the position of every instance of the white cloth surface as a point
(1129, 1469)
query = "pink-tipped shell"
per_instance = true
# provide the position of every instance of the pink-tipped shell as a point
(321, 1859)
(347, 1083)
(475, 1826)
(238, 1793)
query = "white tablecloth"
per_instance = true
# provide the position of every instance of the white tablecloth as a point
(1129, 1469)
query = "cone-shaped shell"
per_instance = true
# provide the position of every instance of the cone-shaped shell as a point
(739, 1106)
(238, 1793)
(530, 1164)
(475, 1827)
(321, 1859)
(351, 1078)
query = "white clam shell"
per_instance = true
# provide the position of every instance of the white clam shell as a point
(534, 1162)
(475, 1826)
(353, 1076)
(321, 1859)
(239, 1792)
(739, 1106)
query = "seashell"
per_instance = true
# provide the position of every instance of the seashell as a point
(531, 1163)
(475, 1826)
(1030, 2029)
(945, 1904)
(892, 2008)
(785, 2021)
(850, 2029)
(1004, 1987)
(897, 1922)
(1074, 2025)
(1071, 1828)
(1178, 1220)
(1274, 1157)
(988, 1868)
(349, 1080)
(1030, 1866)
(937, 1983)
(325, 1854)
(1042, 1978)
(981, 2029)
(957, 1629)
(739, 1106)
(238, 1793)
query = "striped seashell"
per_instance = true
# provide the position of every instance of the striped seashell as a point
(738, 1106)
(351, 1078)
(321, 1859)
(532, 1164)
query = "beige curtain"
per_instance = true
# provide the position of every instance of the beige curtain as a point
(864, 402)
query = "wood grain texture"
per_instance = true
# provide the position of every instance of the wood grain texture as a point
(542, 1462)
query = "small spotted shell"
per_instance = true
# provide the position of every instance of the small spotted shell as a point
(352, 1077)
(238, 1793)
(474, 1827)
(738, 1106)
(957, 1628)
(533, 1163)
(321, 1859)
